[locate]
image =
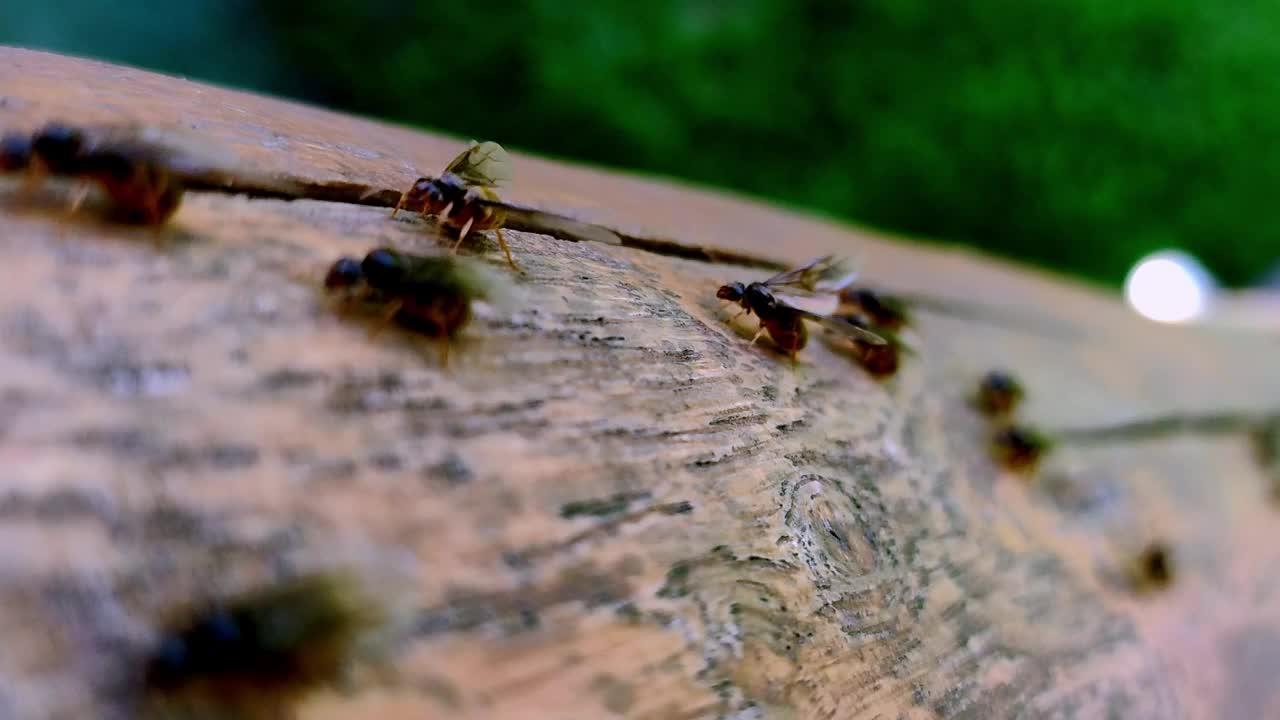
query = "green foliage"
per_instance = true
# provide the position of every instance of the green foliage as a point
(1074, 133)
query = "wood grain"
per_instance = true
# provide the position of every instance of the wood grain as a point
(607, 506)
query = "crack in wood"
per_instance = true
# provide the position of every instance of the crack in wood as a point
(272, 188)
(1003, 317)
(1214, 423)
(600, 529)
(352, 193)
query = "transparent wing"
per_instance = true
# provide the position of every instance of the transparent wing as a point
(872, 302)
(825, 274)
(847, 328)
(483, 164)
(819, 309)
(822, 305)
(796, 276)
(472, 277)
(182, 152)
(888, 335)
(432, 274)
(548, 223)
(838, 274)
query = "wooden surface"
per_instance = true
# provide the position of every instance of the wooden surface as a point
(769, 542)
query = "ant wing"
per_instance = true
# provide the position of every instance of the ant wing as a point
(828, 274)
(547, 223)
(819, 309)
(201, 163)
(483, 164)
(196, 161)
(847, 328)
(796, 276)
(862, 321)
(835, 275)
(819, 305)
(873, 302)
(431, 274)
(183, 153)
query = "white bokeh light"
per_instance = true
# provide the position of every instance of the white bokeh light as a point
(1168, 286)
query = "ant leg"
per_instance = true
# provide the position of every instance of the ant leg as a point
(32, 181)
(77, 197)
(442, 339)
(462, 235)
(340, 302)
(440, 216)
(153, 207)
(393, 307)
(757, 336)
(503, 242)
(404, 197)
(159, 237)
(155, 217)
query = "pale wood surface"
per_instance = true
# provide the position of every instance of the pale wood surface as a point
(794, 543)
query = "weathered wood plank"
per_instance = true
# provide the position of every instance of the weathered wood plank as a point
(608, 505)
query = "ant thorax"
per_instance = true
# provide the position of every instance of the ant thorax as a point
(759, 299)
(447, 189)
(58, 147)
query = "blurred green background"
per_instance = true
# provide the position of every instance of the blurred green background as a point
(1077, 134)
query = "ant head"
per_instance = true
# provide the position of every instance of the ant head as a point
(421, 189)
(210, 639)
(1155, 565)
(866, 298)
(733, 292)
(344, 273)
(382, 268)
(15, 152)
(57, 144)
(1000, 381)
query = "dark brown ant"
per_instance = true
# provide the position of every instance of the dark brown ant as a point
(1019, 448)
(781, 316)
(459, 206)
(465, 198)
(882, 310)
(1154, 569)
(431, 295)
(998, 394)
(135, 174)
(260, 651)
(883, 360)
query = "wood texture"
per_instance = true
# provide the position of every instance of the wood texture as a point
(607, 506)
